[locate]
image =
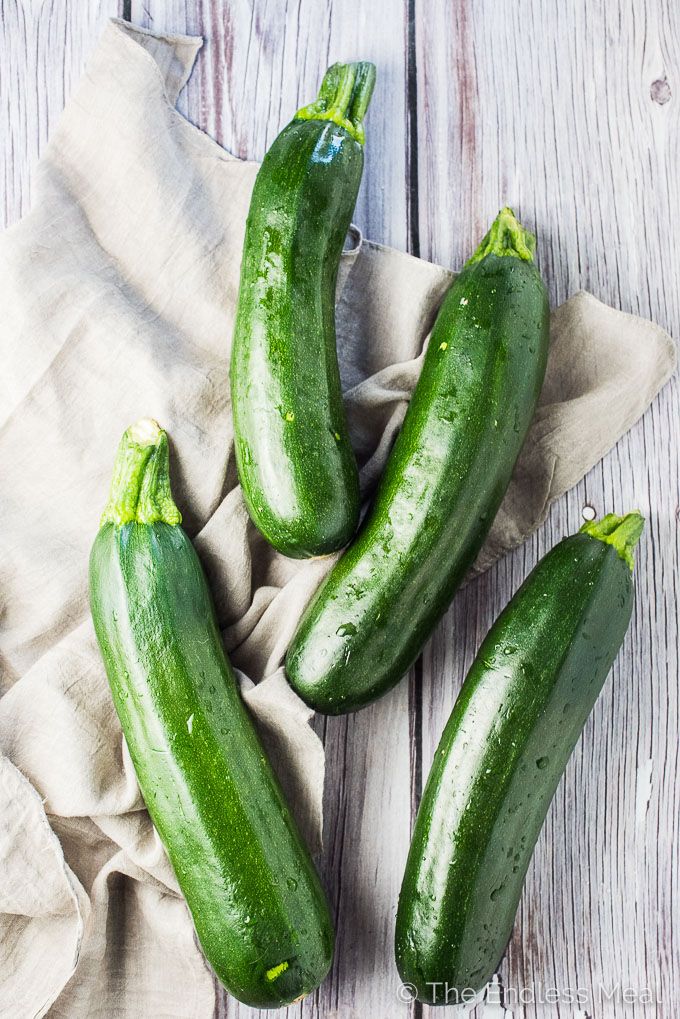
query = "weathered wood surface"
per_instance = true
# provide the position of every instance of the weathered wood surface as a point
(43, 49)
(569, 113)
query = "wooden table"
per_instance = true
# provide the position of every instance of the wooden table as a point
(568, 112)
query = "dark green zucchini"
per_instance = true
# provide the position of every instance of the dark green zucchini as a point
(254, 895)
(444, 481)
(503, 751)
(294, 457)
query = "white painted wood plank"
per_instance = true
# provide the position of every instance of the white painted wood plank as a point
(260, 63)
(556, 110)
(44, 49)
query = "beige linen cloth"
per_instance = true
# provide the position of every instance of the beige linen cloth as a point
(118, 292)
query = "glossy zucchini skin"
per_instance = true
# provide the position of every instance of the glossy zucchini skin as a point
(259, 911)
(443, 483)
(517, 718)
(294, 457)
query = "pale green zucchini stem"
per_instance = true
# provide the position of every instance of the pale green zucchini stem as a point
(343, 98)
(621, 532)
(140, 487)
(506, 237)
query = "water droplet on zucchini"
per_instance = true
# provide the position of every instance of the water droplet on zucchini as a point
(346, 630)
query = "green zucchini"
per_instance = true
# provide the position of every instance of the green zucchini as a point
(259, 911)
(295, 461)
(514, 725)
(443, 483)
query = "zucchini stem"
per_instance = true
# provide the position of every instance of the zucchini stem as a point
(506, 237)
(343, 98)
(140, 487)
(621, 532)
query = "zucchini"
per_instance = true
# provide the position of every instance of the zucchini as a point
(517, 718)
(295, 461)
(443, 483)
(259, 911)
